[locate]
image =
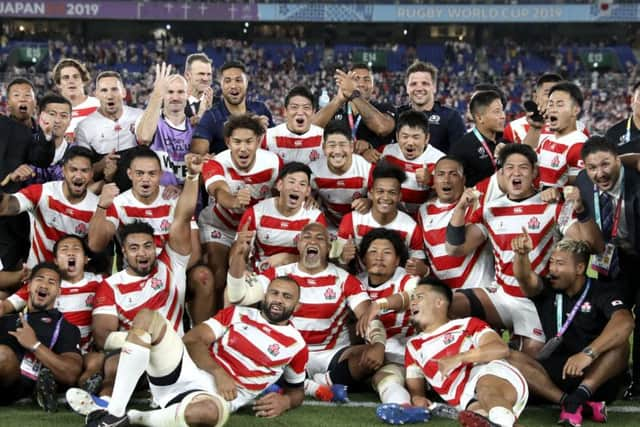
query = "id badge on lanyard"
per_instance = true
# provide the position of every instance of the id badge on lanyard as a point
(601, 263)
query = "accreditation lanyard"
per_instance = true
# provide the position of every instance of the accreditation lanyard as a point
(616, 216)
(353, 125)
(560, 327)
(627, 135)
(56, 331)
(480, 138)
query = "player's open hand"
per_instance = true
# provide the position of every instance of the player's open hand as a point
(373, 356)
(225, 385)
(271, 405)
(25, 334)
(161, 82)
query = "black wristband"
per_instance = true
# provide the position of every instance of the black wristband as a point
(456, 235)
(102, 207)
(583, 216)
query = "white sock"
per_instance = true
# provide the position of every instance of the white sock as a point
(323, 379)
(310, 388)
(166, 417)
(392, 392)
(502, 416)
(134, 359)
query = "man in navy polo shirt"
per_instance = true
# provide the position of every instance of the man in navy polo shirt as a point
(445, 124)
(207, 137)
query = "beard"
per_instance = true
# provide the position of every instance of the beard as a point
(266, 311)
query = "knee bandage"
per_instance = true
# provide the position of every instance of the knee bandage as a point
(394, 374)
(221, 404)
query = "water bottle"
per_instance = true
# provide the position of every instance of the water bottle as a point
(324, 99)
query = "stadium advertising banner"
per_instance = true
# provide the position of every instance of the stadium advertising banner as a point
(320, 12)
(160, 11)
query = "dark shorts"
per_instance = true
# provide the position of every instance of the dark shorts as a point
(607, 391)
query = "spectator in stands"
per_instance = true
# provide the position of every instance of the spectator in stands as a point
(208, 135)
(582, 365)
(625, 135)
(21, 102)
(34, 355)
(558, 151)
(59, 111)
(164, 127)
(445, 124)
(199, 74)
(235, 179)
(371, 122)
(70, 77)
(477, 148)
(611, 193)
(110, 130)
(59, 207)
(296, 140)
(414, 154)
(340, 178)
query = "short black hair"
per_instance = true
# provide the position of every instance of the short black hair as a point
(143, 152)
(294, 167)
(413, 119)
(77, 151)
(242, 121)
(548, 78)
(299, 91)
(48, 266)
(570, 88)
(20, 81)
(53, 98)
(337, 126)
(392, 236)
(483, 87)
(437, 285)
(523, 149)
(82, 241)
(137, 227)
(482, 100)
(384, 169)
(233, 64)
(452, 159)
(597, 143)
(360, 66)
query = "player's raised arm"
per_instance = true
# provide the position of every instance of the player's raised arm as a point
(180, 232)
(463, 238)
(529, 281)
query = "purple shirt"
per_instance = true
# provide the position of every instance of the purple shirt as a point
(171, 145)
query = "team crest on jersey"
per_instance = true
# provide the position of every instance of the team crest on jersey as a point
(264, 191)
(434, 119)
(585, 307)
(314, 155)
(296, 239)
(533, 223)
(329, 294)
(89, 301)
(356, 196)
(81, 228)
(274, 349)
(155, 283)
(215, 234)
(555, 162)
(448, 338)
(482, 153)
(165, 225)
(46, 320)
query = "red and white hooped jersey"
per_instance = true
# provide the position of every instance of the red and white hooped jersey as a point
(337, 192)
(471, 271)
(504, 219)
(355, 225)
(325, 298)
(54, 217)
(78, 114)
(163, 290)
(516, 130)
(260, 179)
(395, 323)
(254, 352)
(413, 194)
(276, 233)
(559, 159)
(126, 209)
(454, 337)
(294, 147)
(75, 302)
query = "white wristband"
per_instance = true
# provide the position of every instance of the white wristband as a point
(35, 346)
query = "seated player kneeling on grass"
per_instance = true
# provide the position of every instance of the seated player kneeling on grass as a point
(225, 363)
(584, 362)
(462, 361)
